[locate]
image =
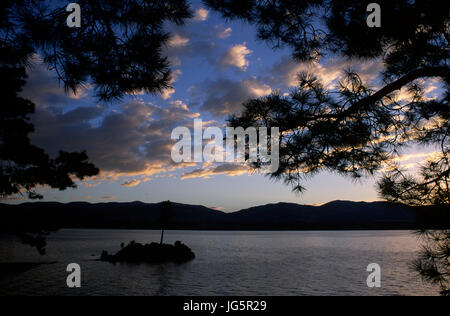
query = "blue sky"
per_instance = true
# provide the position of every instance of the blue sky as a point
(217, 65)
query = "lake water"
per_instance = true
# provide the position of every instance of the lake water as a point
(227, 263)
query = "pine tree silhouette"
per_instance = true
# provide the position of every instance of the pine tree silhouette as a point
(355, 130)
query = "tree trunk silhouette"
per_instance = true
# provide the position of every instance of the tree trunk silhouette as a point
(162, 237)
(166, 208)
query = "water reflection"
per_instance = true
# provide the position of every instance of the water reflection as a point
(227, 263)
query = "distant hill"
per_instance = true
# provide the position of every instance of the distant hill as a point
(337, 215)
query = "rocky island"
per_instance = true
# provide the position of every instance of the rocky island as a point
(150, 253)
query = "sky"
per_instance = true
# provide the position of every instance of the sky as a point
(217, 65)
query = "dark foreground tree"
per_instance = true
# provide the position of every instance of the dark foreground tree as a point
(23, 166)
(117, 50)
(354, 129)
(166, 216)
(430, 187)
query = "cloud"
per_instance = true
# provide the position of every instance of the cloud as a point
(285, 73)
(432, 89)
(131, 141)
(236, 56)
(12, 198)
(223, 169)
(131, 183)
(178, 41)
(93, 198)
(204, 48)
(221, 32)
(223, 97)
(109, 197)
(42, 86)
(201, 14)
(419, 157)
(411, 161)
(167, 93)
(92, 184)
(196, 41)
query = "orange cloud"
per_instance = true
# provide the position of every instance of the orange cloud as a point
(237, 56)
(131, 183)
(224, 169)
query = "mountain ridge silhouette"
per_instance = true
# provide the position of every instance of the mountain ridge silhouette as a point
(334, 215)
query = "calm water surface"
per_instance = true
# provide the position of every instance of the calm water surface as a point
(227, 263)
